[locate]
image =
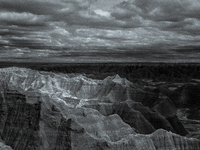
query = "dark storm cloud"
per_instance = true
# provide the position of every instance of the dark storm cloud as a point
(128, 14)
(29, 36)
(33, 44)
(39, 7)
(21, 19)
(188, 49)
(48, 16)
(8, 33)
(73, 12)
(161, 13)
(138, 27)
(158, 10)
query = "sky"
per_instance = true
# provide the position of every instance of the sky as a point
(100, 30)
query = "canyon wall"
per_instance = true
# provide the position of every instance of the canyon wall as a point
(55, 111)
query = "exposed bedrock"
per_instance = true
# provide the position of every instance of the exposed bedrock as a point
(48, 111)
(157, 120)
(19, 121)
(141, 118)
(194, 113)
(133, 117)
(177, 125)
(4, 147)
(42, 125)
(165, 107)
(187, 96)
(166, 140)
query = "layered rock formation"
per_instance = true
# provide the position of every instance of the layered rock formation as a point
(48, 111)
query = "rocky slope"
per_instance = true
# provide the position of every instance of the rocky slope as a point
(54, 111)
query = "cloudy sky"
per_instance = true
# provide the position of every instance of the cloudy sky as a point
(100, 30)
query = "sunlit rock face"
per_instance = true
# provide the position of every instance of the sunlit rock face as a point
(50, 111)
(4, 147)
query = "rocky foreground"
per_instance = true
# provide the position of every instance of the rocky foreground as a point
(54, 111)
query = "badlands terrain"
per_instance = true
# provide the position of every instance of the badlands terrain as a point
(100, 107)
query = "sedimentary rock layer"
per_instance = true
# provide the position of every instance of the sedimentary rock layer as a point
(49, 111)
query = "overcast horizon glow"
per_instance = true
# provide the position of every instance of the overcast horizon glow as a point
(100, 30)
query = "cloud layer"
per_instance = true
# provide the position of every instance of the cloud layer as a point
(130, 30)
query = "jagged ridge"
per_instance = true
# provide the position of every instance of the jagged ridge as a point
(51, 111)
